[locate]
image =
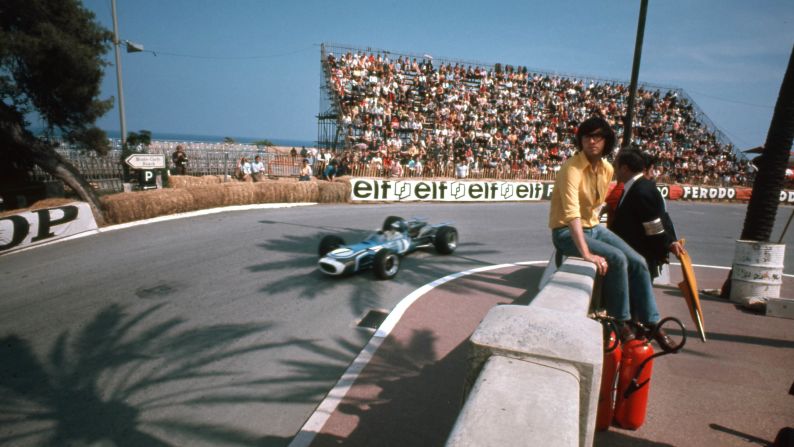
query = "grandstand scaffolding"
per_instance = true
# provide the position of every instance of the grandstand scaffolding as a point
(327, 119)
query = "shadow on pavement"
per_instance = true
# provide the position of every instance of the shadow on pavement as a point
(120, 378)
(417, 401)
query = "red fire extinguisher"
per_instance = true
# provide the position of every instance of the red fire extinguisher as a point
(635, 377)
(609, 375)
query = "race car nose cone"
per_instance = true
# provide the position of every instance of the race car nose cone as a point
(331, 266)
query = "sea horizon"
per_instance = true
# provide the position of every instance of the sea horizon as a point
(184, 137)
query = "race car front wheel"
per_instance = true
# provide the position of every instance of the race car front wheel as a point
(387, 264)
(329, 243)
(446, 240)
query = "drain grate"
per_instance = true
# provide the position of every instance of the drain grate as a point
(373, 319)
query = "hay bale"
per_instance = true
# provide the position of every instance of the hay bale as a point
(179, 181)
(207, 196)
(130, 206)
(305, 191)
(189, 181)
(266, 192)
(209, 180)
(241, 193)
(334, 192)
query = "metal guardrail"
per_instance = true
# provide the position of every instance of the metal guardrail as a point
(106, 173)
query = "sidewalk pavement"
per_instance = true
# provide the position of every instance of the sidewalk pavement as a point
(729, 391)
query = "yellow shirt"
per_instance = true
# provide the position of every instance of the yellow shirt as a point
(579, 191)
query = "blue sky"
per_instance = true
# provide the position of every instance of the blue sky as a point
(249, 68)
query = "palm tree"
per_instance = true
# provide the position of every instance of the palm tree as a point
(769, 180)
(771, 173)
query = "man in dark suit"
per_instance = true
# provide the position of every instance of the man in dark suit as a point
(641, 217)
(642, 221)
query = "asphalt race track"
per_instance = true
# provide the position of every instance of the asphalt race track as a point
(219, 330)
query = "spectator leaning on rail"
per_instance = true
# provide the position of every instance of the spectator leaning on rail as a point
(306, 171)
(243, 171)
(579, 192)
(258, 169)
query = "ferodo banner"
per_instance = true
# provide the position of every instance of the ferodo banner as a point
(719, 193)
(29, 228)
(448, 190)
(707, 193)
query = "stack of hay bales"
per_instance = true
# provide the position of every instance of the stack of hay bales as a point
(130, 206)
(192, 194)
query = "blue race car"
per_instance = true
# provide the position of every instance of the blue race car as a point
(382, 250)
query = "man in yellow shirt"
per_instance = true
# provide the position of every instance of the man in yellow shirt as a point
(579, 193)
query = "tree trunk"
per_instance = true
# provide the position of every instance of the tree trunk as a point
(51, 162)
(28, 148)
(770, 178)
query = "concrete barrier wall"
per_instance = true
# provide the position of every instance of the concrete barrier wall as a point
(535, 370)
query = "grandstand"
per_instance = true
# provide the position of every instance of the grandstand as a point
(390, 113)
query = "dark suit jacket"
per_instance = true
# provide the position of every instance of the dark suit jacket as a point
(641, 221)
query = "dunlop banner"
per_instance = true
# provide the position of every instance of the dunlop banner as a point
(448, 190)
(28, 228)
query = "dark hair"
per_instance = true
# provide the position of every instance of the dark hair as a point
(594, 124)
(632, 158)
(650, 160)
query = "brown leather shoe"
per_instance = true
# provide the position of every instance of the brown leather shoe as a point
(665, 342)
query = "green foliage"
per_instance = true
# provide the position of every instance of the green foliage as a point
(135, 142)
(228, 140)
(51, 65)
(142, 138)
(264, 143)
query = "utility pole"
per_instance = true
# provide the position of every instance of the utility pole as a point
(635, 73)
(116, 44)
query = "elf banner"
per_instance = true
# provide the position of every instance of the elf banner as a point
(448, 190)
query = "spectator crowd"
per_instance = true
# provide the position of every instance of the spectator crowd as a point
(405, 117)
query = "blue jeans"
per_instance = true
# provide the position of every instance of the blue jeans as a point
(627, 288)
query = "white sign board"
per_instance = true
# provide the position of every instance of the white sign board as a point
(146, 161)
(28, 228)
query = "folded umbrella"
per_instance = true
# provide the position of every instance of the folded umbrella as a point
(689, 288)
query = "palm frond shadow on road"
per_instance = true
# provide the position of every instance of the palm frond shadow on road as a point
(103, 383)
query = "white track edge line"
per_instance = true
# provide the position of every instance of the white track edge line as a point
(320, 416)
(721, 267)
(258, 206)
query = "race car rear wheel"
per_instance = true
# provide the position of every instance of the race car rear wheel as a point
(329, 243)
(446, 240)
(390, 220)
(387, 264)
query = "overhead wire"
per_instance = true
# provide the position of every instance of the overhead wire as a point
(200, 56)
(763, 106)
